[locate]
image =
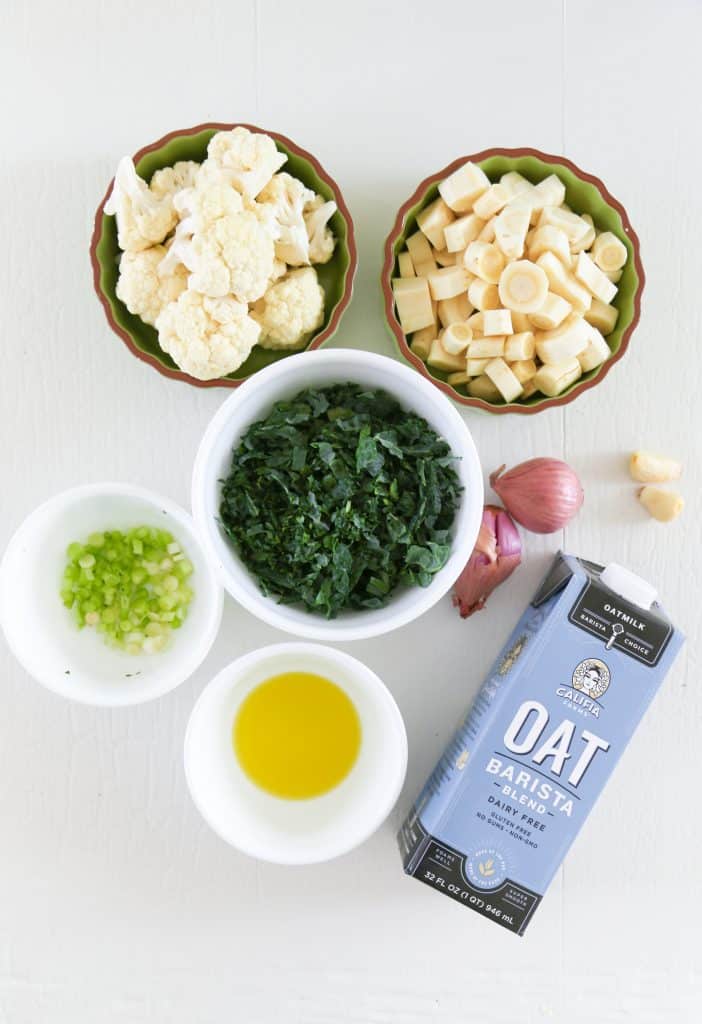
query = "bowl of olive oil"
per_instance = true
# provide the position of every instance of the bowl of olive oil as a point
(295, 753)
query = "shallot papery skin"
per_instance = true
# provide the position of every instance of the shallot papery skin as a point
(497, 553)
(542, 494)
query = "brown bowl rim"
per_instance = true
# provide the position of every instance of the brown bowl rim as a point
(389, 262)
(317, 341)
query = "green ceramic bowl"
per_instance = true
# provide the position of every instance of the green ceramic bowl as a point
(584, 194)
(336, 277)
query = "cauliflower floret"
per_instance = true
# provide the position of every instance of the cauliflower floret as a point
(206, 201)
(249, 159)
(291, 310)
(317, 214)
(208, 338)
(143, 287)
(169, 180)
(232, 255)
(279, 270)
(287, 197)
(143, 219)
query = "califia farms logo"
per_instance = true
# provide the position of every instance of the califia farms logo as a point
(591, 679)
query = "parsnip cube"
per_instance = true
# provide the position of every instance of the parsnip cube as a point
(475, 322)
(520, 322)
(405, 264)
(548, 238)
(661, 504)
(515, 183)
(440, 359)
(504, 380)
(460, 190)
(550, 192)
(609, 252)
(589, 274)
(425, 268)
(455, 310)
(462, 231)
(511, 227)
(562, 283)
(419, 248)
(520, 346)
(496, 321)
(413, 301)
(614, 276)
(588, 238)
(486, 348)
(483, 295)
(596, 352)
(552, 380)
(552, 314)
(528, 388)
(565, 342)
(570, 223)
(433, 219)
(444, 258)
(422, 341)
(648, 468)
(487, 233)
(602, 316)
(491, 202)
(474, 367)
(460, 377)
(447, 282)
(455, 338)
(523, 369)
(482, 387)
(484, 260)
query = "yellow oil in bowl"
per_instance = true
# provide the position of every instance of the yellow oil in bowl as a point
(297, 735)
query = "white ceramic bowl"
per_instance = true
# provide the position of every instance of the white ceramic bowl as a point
(42, 633)
(295, 831)
(252, 402)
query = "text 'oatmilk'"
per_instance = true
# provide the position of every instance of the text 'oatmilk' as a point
(559, 706)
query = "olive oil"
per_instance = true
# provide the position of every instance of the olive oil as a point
(297, 735)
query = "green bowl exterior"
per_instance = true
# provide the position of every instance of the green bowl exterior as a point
(584, 194)
(335, 277)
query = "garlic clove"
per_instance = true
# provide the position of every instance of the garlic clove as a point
(647, 468)
(663, 505)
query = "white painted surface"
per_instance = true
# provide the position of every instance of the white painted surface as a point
(117, 903)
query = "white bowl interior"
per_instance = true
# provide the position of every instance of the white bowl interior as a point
(42, 633)
(252, 402)
(294, 831)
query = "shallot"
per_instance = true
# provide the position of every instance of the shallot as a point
(541, 494)
(496, 555)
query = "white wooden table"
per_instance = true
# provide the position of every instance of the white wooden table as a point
(117, 904)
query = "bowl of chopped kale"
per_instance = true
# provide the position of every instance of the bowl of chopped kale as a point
(339, 495)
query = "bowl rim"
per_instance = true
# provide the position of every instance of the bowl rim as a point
(389, 262)
(174, 511)
(314, 627)
(317, 341)
(370, 679)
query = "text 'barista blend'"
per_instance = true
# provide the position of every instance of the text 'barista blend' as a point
(550, 722)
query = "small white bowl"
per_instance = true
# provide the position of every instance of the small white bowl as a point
(294, 831)
(252, 402)
(41, 632)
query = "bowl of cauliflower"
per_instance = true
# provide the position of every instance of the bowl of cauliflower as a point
(220, 249)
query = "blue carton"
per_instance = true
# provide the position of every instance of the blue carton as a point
(518, 780)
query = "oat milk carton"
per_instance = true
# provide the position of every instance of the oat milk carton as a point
(549, 724)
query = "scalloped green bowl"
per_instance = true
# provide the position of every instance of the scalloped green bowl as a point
(336, 277)
(585, 194)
